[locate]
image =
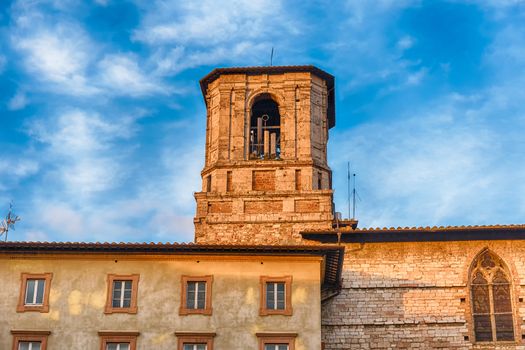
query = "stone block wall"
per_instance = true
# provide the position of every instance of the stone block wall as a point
(415, 296)
(241, 197)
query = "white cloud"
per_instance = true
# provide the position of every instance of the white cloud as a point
(60, 56)
(33, 236)
(80, 144)
(18, 101)
(364, 50)
(122, 75)
(184, 35)
(59, 217)
(14, 168)
(405, 43)
(209, 22)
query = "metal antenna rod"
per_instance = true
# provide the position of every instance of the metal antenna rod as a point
(348, 184)
(353, 199)
(271, 58)
(9, 222)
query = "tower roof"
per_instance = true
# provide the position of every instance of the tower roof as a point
(217, 72)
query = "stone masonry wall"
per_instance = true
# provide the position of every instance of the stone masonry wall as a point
(415, 296)
(251, 200)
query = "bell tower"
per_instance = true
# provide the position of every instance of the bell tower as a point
(266, 176)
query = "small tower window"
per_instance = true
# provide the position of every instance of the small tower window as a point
(265, 129)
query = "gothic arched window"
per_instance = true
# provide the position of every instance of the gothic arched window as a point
(490, 291)
(265, 129)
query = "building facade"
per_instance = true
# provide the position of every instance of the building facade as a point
(425, 288)
(273, 267)
(163, 296)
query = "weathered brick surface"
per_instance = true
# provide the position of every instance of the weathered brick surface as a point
(414, 296)
(263, 180)
(283, 194)
(262, 207)
(223, 207)
(306, 205)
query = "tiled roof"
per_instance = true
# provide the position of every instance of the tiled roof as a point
(420, 234)
(333, 254)
(442, 228)
(217, 72)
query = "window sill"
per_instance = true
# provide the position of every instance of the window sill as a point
(205, 312)
(33, 308)
(121, 310)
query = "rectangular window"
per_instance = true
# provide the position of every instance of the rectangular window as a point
(194, 340)
(29, 340)
(276, 347)
(196, 295)
(117, 346)
(29, 345)
(194, 346)
(122, 294)
(34, 292)
(276, 296)
(276, 341)
(118, 340)
(319, 180)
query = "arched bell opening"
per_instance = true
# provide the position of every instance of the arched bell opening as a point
(265, 129)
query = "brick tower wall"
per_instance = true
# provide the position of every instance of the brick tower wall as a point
(265, 201)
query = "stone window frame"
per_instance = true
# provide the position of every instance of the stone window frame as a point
(469, 307)
(24, 277)
(185, 338)
(276, 338)
(30, 335)
(208, 310)
(133, 308)
(118, 337)
(288, 310)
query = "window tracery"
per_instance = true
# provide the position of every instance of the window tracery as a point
(490, 290)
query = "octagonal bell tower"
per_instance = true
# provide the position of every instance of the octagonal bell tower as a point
(266, 176)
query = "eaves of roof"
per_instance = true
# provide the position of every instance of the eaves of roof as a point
(217, 72)
(419, 234)
(333, 255)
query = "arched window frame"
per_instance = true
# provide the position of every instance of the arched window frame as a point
(255, 96)
(490, 274)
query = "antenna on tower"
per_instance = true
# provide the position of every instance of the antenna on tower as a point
(353, 198)
(271, 58)
(348, 183)
(352, 193)
(8, 222)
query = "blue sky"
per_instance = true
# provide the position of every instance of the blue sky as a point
(102, 119)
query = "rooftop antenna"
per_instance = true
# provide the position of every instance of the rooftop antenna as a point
(271, 58)
(8, 222)
(354, 193)
(348, 183)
